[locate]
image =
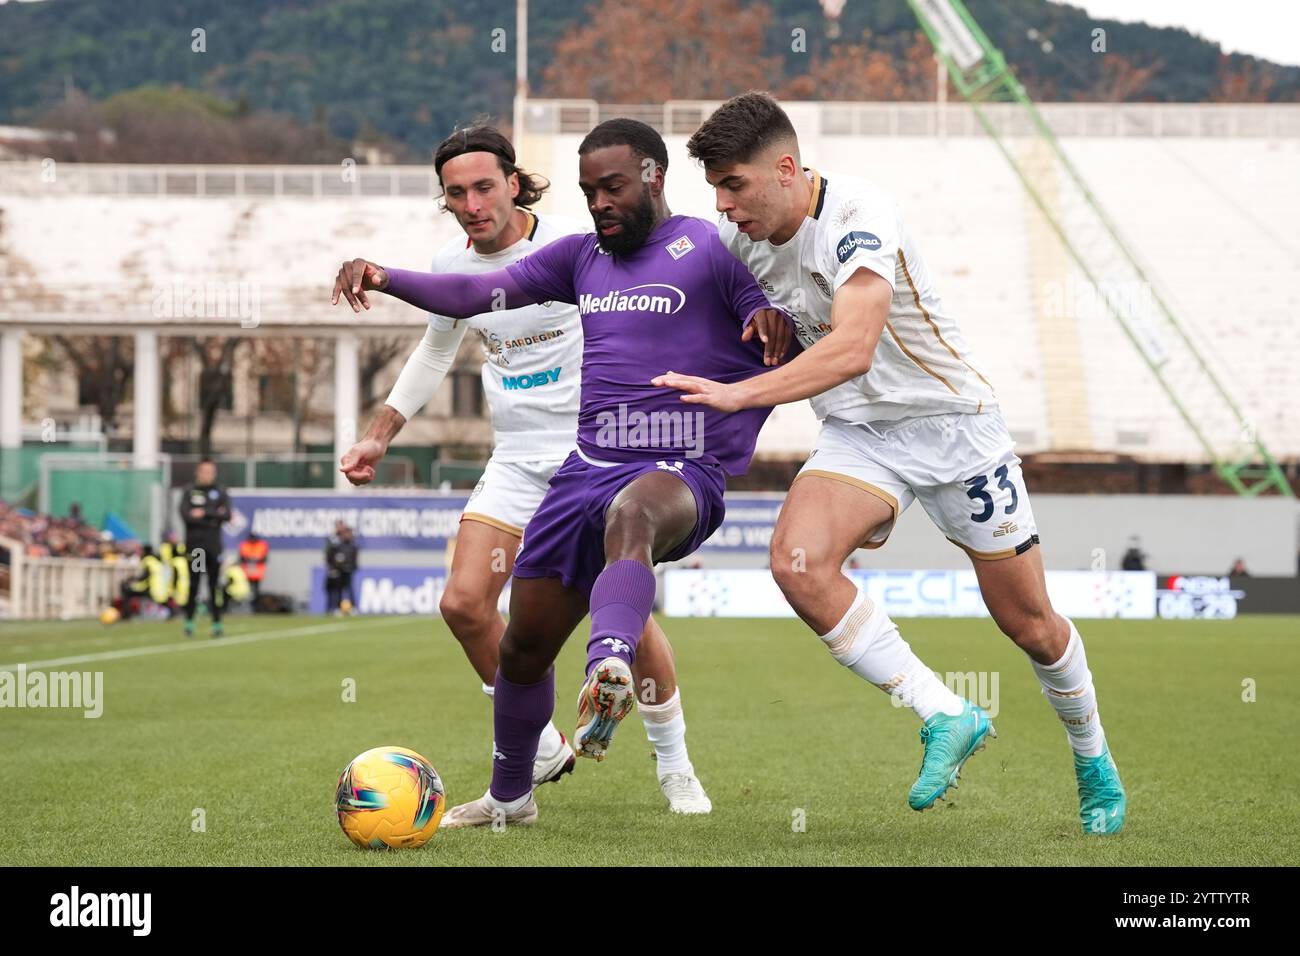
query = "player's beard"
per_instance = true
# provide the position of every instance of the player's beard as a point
(636, 226)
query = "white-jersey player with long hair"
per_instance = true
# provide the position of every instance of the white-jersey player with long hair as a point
(531, 377)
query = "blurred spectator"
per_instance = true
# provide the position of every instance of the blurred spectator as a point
(340, 565)
(45, 536)
(1239, 569)
(253, 552)
(204, 508)
(1135, 558)
(150, 581)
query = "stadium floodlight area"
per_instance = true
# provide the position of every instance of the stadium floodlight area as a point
(1124, 286)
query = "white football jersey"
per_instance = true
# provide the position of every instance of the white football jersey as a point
(534, 354)
(921, 365)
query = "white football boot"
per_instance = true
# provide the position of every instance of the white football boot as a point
(551, 769)
(685, 793)
(486, 812)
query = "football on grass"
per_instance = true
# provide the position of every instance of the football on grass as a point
(390, 797)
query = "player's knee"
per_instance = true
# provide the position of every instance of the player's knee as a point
(464, 613)
(1035, 631)
(797, 571)
(629, 530)
(520, 660)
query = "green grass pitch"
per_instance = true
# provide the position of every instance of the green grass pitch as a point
(253, 729)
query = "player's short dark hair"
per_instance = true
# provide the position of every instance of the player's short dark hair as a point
(740, 129)
(643, 140)
(482, 138)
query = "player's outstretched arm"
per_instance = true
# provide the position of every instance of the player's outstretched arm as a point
(418, 382)
(458, 296)
(858, 317)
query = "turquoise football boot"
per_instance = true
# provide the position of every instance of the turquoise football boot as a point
(1102, 803)
(949, 743)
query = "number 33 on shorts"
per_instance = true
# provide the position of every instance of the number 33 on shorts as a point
(988, 515)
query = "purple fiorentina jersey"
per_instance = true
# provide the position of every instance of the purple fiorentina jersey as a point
(676, 304)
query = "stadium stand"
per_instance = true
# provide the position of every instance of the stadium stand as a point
(1207, 213)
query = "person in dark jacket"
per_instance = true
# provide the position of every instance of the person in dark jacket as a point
(1135, 558)
(204, 508)
(340, 565)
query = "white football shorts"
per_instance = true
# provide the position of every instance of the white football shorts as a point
(961, 467)
(509, 492)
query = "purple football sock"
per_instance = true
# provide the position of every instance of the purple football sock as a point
(621, 601)
(519, 714)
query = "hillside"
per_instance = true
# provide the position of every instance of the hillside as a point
(407, 70)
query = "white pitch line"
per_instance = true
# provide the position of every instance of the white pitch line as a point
(197, 645)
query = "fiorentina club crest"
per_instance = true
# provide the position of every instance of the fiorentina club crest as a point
(679, 247)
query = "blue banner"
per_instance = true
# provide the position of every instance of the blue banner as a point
(292, 520)
(748, 526)
(392, 591)
(381, 522)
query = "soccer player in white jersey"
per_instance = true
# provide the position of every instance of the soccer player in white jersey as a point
(531, 378)
(905, 415)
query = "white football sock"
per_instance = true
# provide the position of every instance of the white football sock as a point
(1067, 685)
(867, 642)
(665, 725)
(550, 742)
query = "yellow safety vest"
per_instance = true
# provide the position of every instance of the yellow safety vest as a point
(181, 578)
(237, 583)
(157, 579)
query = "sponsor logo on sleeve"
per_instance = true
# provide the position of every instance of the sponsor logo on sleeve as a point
(854, 241)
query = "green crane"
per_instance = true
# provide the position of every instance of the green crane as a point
(1094, 243)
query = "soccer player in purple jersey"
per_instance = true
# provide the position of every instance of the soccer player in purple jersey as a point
(646, 482)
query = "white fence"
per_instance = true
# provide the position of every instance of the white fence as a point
(683, 117)
(48, 178)
(59, 589)
(675, 117)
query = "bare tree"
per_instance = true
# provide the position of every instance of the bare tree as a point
(103, 364)
(376, 353)
(216, 382)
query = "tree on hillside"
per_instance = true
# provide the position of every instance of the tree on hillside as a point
(152, 124)
(643, 51)
(1120, 79)
(1248, 81)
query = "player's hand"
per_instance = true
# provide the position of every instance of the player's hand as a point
(773, 330)
(358, 462)
(355, 279)
(196, 512)
(703, 391)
